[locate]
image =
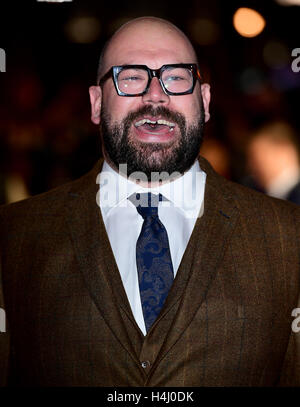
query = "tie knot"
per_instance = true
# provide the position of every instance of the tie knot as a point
(146, 204)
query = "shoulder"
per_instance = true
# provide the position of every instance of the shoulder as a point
(248, 198)
(45, 206)
(256, 204)
(250, 203)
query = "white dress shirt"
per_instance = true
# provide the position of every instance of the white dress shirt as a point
(182, 205)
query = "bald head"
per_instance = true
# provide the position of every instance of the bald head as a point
(172, 141)
(149, 36)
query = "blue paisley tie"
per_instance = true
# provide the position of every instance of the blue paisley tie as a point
(153, 258)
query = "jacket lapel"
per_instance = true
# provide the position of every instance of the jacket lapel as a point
(96, 260)
(198, 267)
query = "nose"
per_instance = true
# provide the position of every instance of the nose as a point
(155, 94)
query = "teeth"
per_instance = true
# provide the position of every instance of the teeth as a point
(160, 121)
(143, 121)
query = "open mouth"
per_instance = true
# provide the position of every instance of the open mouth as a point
(155, 129)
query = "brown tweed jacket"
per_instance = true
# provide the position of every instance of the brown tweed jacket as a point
(226, 322)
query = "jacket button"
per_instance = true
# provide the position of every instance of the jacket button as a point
(145, 364)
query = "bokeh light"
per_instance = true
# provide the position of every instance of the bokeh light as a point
(248, 22)
(82, 29)
(276, 54)
(251, 81)
(204, 31)
(288, 2)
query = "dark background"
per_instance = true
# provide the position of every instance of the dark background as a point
(46, 137)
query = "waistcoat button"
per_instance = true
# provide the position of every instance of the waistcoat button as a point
(145, 364)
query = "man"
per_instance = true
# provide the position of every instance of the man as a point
(150, 290)
(273, 160)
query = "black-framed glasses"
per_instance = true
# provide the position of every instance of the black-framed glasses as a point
(134, 80)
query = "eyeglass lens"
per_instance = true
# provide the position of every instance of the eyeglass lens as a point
(175, 80)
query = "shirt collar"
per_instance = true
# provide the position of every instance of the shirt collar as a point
(185, 192)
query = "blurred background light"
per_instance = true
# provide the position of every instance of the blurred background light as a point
(284, 79)
(288, 2)
(83, 29)
(276, 54)
(251, 81)
(203, 31)
(248, 22)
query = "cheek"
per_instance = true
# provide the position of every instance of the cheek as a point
(117, 106)
(189, 106)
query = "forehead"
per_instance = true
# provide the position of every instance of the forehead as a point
(152, 44)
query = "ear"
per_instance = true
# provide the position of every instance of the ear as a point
(95, 99)
(205, 90)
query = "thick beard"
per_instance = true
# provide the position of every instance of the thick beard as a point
(174, 157)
